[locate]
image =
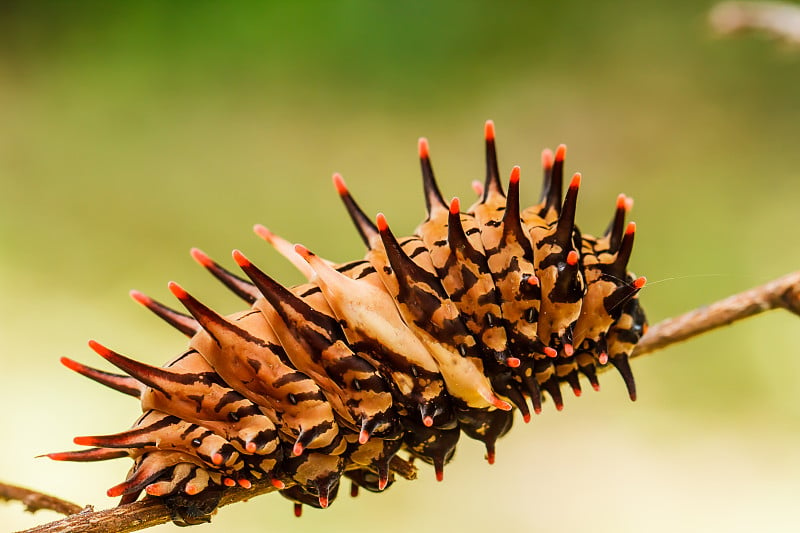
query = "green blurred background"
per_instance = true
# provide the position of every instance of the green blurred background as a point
(130, 132)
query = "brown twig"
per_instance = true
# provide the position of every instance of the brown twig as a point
(782, 293)
(36, 501)
(780, 20)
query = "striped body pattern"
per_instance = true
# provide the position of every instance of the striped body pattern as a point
(477, 314)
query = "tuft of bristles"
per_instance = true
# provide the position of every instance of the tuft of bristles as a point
(450, 330)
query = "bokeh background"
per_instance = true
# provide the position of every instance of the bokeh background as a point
(130, 132)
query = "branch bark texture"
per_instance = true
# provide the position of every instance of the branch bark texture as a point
(782, 293)
(36, 501)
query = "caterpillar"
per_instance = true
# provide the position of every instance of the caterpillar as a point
(478, 314)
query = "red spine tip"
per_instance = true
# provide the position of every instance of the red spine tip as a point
(477, 186)
(382, 482)
(228, 482)
(240, 259)
(488, 130)
(547, 159)
(596, 387)
(199, 256)
(602, 358)
(422, 146)
(526, 418)
(302, 251)
(297, 449)
(69, 363)
(639, 282)
(154, 490)
(323, 502)
(533, 281)
(140, 298)
(217, 459)
(631, 228)
(99, 349)
(338, 182)
(514, 179)
(572, 258)
(513, 362)
(60, 456)
(298, 510)
(576, 181)
(191, 490)
(561, 152)
(576, 391)
(245, 484)
(277, 483)
(251, 447)
(628, 203)
(490, 457)
(568, 350)
(455, 206)
(113, 492)
(500, 404)
(559, 407)
(622, 201)
(537, 410)
(381, 222)
(177, 290)
(83, 441)
(428, 421)
(439, 474)
(263, 232)
(363, 437)
(550, 352)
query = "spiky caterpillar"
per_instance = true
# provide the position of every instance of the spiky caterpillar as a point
(429, 336)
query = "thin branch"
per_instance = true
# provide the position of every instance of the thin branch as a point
(36, 501)
(131, 517)
(779, 20)
(782, 293)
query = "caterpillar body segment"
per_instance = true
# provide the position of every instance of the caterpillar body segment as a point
(253, 361)
(430, 336)
(316, 344)
(374, 327)
(432, 316)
